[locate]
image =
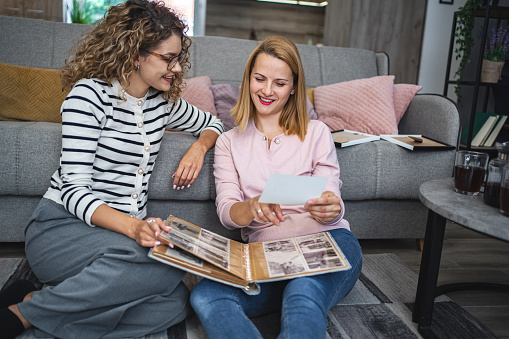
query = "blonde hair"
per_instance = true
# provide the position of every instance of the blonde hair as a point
(294, 118)
(125, 33)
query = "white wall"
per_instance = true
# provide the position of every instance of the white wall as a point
(435, 47)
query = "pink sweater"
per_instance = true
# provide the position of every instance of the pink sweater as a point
(243, 163)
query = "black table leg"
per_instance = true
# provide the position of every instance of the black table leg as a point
(428, 273)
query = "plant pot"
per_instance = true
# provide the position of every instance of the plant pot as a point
(491, 70)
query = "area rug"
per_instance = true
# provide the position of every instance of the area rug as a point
(379, 306)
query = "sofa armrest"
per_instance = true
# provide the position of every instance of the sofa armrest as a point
(434, 116)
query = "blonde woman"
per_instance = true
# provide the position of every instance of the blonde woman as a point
(275, 135)
(88, 239)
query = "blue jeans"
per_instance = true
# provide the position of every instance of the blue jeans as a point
(304, 302)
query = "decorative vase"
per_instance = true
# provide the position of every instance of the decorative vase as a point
(491, 70)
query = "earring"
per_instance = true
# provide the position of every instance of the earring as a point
(137, 67)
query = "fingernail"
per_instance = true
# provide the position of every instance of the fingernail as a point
(182, 187)
(173, 175)
(174, 186)
(178, 188)
(188, 185)
(157, 243)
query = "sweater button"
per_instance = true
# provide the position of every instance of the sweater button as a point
(277, 141)
(134, 196)
(264, 138)
(147, 148)
(140, 102)
(140, 171)
(140, 125)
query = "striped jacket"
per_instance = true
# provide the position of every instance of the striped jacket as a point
(110, 141)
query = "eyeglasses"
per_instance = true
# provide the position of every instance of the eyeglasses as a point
(170, 60)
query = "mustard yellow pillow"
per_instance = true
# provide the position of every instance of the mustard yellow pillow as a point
(28, 93)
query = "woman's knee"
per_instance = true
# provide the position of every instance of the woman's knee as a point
(198, 297)
(202, 294)
(208, 292)
(306, 293)
(350, 247)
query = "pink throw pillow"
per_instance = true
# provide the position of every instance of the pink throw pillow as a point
(311, 110)
(363, 105)
(225, 97)
(403, 94)
(197, 92)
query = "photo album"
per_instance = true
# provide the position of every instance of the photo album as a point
(215, 257)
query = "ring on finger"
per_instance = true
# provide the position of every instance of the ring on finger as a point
(259, 211)
(151, 220)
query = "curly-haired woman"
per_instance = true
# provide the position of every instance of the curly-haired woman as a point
(88, 238)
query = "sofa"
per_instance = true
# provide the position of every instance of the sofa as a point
(380, 179)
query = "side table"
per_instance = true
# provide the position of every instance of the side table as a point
(468, 211)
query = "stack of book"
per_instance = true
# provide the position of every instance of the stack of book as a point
(487, 127)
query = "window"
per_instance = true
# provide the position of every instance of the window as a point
(91, 11)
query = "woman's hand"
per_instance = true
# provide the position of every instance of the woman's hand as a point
(145, 232)
(264, 212)
(326, 208)
(191, 163)
(189, 167)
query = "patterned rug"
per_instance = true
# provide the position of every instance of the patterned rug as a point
(379, 306)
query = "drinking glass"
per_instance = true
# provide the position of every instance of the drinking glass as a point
(492, 185)
(469, 171)
(504, 191)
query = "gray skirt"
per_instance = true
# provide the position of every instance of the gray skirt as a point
(100, 283)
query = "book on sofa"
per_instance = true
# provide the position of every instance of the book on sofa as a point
(415, 142)
(215, 257)
(344, 138)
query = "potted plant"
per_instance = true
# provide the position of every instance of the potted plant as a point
(494, 53)
(464, 39)
(79, 12)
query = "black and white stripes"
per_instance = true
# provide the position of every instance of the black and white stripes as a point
(110, 142)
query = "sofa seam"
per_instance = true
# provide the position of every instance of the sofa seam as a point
(378, 166)
(53, 49)
(212, 181)
(17, 162)
(322, 75)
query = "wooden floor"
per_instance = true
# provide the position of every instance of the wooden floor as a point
(467, 256)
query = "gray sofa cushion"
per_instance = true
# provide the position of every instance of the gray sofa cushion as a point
(30, 155)
(382, 170)
(210, 55)
(49, 49)
(350, 65)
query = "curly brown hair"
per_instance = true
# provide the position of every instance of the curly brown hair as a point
(125, 33)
